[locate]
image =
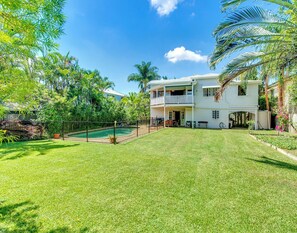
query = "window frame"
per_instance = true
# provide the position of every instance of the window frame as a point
(241, 91)
(215, 114)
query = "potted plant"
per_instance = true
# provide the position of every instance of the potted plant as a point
(54, 129)
(112, 139)
(57, 136)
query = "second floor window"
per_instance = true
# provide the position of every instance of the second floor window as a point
(241, 91)
(210, 91)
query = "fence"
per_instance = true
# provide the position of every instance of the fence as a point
(88, 131)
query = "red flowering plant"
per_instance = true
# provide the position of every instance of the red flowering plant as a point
(283, 122)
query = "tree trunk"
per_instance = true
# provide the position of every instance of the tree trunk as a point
(281, 91)
(266, 93)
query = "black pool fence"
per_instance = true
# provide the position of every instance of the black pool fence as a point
(89, 131)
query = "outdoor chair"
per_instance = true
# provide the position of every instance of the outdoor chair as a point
(188, 124)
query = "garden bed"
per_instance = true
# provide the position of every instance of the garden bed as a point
(285, 141)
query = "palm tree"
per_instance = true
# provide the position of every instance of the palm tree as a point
(272, 36)
(146, 73)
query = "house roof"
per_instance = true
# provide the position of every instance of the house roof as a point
(190, 79)
(183, 80)
(113, 92)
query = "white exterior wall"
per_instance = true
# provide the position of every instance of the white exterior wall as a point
(229, 103)
(230, 98)
(264, 119)
(204, 105)
(157, 112)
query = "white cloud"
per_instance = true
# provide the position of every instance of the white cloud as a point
(164, 7)
(182, 54)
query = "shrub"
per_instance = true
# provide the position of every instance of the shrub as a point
(5, 137)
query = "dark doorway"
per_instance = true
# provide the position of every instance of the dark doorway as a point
(177, 118)
(240, 119)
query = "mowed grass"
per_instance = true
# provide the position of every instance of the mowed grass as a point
(176, 180)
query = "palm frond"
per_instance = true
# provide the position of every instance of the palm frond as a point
(235, 3)
(240, 65)
(254, 15)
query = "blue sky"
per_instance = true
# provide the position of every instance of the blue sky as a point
(113, 35)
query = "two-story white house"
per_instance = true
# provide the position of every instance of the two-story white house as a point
(189, 102)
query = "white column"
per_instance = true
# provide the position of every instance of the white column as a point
(164, 106)
(192, 117)
(256, 119)
(193, 107)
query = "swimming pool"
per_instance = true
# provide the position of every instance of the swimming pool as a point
(105, 133)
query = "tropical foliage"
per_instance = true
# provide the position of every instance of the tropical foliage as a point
(137, 106)
(38, 78)
(267, 37)
(145, 73)
(28, 28)
(5, 137)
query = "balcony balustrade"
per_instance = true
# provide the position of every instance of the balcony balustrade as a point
(174, 99)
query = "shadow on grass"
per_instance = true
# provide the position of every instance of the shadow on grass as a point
(275, 163)
(21, 217)
(23, 149)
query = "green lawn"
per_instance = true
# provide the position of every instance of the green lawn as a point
(176, 180)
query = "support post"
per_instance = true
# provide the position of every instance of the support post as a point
(256, 120)
(137, 127)
(193, 117)
(164, 107)
(149, 126)
(193, 107)
(87, 131)
(114, 133)
(63, 130)
(157, 122)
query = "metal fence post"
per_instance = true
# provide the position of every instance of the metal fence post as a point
(157, 124)
(87, 131)
(149, 126)
(114, 133)
(137, 127)
(63, 130)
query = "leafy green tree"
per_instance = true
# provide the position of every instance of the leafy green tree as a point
(28, 28)
(137, 106)
(145, 73)
(272, 36)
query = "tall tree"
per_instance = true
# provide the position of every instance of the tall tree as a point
(270, 34)
(27, 28)
(146, 73)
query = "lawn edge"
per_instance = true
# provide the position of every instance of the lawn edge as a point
(289, 155)
(141, 136)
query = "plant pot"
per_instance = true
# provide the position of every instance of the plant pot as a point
(56, 136)
(113, 140)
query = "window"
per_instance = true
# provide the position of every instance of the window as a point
(210, 91)
(170, 115)
(189, 92)
(215, 114)
(241, 91)
(161, 93)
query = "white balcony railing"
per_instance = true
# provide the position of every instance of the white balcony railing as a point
(157, 101)
(176, 99)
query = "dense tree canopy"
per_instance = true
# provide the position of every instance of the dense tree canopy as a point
(269, 39)
(27, 29)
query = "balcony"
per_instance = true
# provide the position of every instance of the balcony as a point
(175, 99)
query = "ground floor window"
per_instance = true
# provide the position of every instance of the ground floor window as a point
(215, 114)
